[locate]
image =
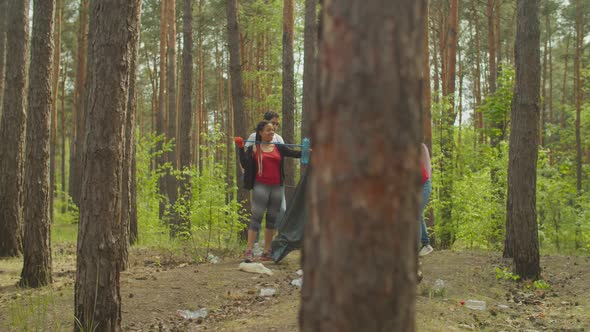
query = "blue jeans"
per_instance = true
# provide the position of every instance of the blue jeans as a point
(426, 190)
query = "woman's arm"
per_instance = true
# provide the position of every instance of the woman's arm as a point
(288, 152)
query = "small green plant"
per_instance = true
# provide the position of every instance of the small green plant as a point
(34, 311)
(541, 285)
(504, 274)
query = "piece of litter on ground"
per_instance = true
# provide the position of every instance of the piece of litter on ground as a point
(297, 282)
(255, 268)
(299, 272)
(188, 314)
(503, 306)
(267, 291)
(213, 259)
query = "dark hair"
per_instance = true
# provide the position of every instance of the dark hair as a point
(269, 115)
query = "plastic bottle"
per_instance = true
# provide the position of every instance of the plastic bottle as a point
(267, 291)
(187, 314)
(305, 151)
(475, 304)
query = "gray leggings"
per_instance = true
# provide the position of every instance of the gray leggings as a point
(265, 198)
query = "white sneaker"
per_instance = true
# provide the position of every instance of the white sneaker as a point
(427, 249)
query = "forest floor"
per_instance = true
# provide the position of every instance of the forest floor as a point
(160, 282)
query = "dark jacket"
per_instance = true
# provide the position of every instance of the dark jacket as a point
(249, 163)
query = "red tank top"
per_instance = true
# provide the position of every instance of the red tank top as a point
(425, 176)
(271, 167)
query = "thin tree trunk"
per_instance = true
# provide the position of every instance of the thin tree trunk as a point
(579, 92)
(36, 270)
(79, 100)
(187, 106)
(55, 88)
(447, 131)
(479, 115)
(12, 130)
(3, 27)
(237, 90)
(543, 93)
(309, 64)
(521, 214)
(361, 274)
(129, 204)
(288, 101)
(64, 197)
(161, 119)
(563, 89)
(491, 46)
(97, 291)
(171, 183)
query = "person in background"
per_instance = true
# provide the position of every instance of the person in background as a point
(264, 174)
(425, 247)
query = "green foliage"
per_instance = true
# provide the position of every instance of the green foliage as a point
(496, 107)
(64, 209)
(541, 284)
(34, 311)
(504, 274)
(151, 230)
(211, 208)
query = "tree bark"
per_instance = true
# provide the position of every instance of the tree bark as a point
(447, 234)
(129, 204)
(161, 119)
(288, 91)
(3, 27)
(309, 65)
(63, 137)
(12, 130)
(97, 291)
(171, 134)
(360, 273)
(55, 89)
(521, 213)
(578, 91)
(237, 89)
(36, 270)
(79, 107)
(187, 106)
(563, 89)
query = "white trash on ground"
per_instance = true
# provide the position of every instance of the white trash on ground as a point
(255, 268)
(213, 259)
(267, 291)
(439, 285)
(187, 314)
(299, 272)
(297, 282)
(475, 304)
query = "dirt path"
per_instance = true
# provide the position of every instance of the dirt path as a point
(158, 284)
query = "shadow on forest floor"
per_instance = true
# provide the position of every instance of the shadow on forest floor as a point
(152, 292)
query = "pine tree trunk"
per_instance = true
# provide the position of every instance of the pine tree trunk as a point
(55, 88)
(79, 107)
(447, 234)
(161, 119)
(129, 204)
(309, 64)
(12, 130)
(360, 272)
(477, 78)
(3, 27)
(579, 91)
(97, 291)
(543, 94)
(171, 183)
(521, 214)
(187, 106)
(237, 90)
(288, 129)
(64, 197)
(563, 89)
(36, 270)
